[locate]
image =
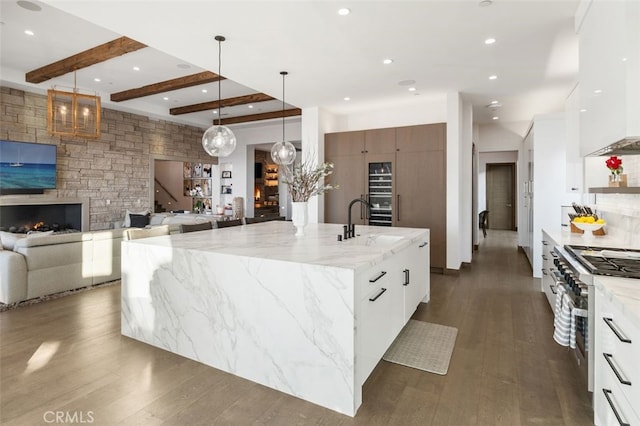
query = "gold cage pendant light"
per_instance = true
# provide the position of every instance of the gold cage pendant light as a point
(72, 113)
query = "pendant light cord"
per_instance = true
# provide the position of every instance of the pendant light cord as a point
(283, 73)
(220, 39)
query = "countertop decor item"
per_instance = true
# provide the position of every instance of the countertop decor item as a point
(219, 140)
(616, 178)
(303, 180)
(283, 153)
(299, 216)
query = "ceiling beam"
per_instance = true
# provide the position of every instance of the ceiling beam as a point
(166, 86)
(262, 116)
(229, 102)
(95, 55)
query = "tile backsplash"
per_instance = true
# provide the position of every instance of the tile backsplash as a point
(622, 214)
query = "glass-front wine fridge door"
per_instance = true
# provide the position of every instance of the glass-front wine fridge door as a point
(381, 193)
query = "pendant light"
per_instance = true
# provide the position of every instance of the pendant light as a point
(283, 153)
(219, 141)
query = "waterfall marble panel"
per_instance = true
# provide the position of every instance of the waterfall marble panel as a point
(258, 302)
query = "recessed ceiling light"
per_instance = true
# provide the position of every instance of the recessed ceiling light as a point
(29, 5)
(597, 91)
(250, 106)
(204, 90)
(412, 89)
(215, 111)
(406, 82)
(344, 11)
(495, 117)
(493, 77)
(136, 68)
(624, 59)
(183, 66)
(346, 98)
(29, 32)
(494, 102)
(485, 3)
(583, 110)
(165, 98)
(387, 61)
(97, 80)
(490, 40)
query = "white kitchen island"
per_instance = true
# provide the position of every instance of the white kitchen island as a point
(309, 316)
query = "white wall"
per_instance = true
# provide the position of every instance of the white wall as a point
(466, 180)
(422, 111)
(501, 137)
(549, 159)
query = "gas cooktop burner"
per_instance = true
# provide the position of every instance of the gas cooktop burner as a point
(608, 261)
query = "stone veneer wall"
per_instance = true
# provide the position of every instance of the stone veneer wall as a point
(114, 167)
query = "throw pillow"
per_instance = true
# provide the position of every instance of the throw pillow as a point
(139, 220)
(127, 219)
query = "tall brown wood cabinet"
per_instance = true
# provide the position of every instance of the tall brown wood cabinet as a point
(400, 171)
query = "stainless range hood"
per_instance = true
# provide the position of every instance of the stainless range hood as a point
(626, 146)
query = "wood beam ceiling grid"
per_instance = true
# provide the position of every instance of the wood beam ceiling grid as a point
(123, 45)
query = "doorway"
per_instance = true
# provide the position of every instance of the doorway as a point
(501, 196)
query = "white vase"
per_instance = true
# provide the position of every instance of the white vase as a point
(299, 216)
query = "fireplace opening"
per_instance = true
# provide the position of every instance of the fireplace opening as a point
(46, 217)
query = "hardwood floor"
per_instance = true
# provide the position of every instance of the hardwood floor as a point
(67, 356)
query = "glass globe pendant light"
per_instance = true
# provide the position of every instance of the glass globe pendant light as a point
(219, 140)
(283, 153)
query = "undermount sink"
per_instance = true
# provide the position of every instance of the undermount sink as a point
(374, 240)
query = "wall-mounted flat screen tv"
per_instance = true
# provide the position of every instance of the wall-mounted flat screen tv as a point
(27, 168)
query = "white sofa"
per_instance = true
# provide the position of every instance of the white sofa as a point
(40, 264)
(37, 266)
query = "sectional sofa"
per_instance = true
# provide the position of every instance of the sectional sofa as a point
(41, 264)
(38, 265)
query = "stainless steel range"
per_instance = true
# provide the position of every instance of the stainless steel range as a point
(575, 267)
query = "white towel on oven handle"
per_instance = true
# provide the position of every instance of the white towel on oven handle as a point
(565, 321)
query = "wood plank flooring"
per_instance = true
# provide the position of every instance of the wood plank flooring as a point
(67, 355)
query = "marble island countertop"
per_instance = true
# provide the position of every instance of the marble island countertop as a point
(276, 241)
(624, 293)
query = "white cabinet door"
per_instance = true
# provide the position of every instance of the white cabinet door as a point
(574, 162)
(380, 313)
(609, 74)
(416, 278)
(616, 390)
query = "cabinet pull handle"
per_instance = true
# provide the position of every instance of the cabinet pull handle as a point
(423, 244)
(613, 407)
(544, 257)
(609, 322)
(544, 272)
(361, 207)
(544, 243)
(554, 255)
(609, 359)
(398, 206)
(382, 274)
(373, 299)
(406, 277)
(553, 290)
